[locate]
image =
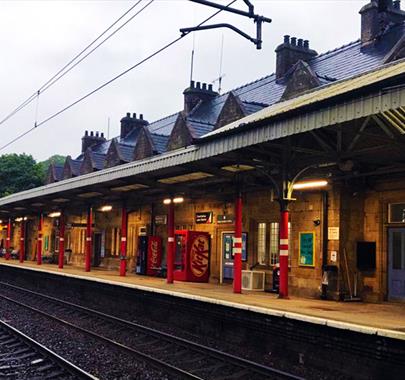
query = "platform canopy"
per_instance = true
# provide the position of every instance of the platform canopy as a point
(346, 131)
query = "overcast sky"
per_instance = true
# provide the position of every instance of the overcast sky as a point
(37, 38)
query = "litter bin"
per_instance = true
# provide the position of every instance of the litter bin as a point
(329, 281)
(276, 278)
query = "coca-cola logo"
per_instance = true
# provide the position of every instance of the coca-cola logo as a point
(154, 253)
(199, 255)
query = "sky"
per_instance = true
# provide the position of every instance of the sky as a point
(38, 38)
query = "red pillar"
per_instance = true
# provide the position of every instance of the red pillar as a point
(89, 239)
(237, 247)
(39, 243)
(123, 248)
(61, 240)
(170, 243)
(22, 241)
(283, 292)
(8, 239)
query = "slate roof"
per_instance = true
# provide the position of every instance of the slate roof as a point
(58, 170)
(159, 142)
(338, 64)
(98, 160)
(75, 166)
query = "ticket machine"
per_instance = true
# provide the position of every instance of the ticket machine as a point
(227, 253)
(192, 256)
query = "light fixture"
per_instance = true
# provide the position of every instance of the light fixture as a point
(309, 185)
(167, 201)
(55, 214)
(18, 219)
(237, 168)
(106, 208)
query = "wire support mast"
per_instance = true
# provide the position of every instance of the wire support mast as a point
(259, 20)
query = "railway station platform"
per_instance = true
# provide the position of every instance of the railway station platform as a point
(385, 319)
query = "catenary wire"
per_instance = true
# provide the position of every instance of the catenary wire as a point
(57, 76)
(108, 82)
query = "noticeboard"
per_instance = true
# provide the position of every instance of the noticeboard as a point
(307, 249)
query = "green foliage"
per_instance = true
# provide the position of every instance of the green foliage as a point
(18, 172)
(44, 165)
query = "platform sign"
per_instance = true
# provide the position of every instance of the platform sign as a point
(307, 249)
(203, 217)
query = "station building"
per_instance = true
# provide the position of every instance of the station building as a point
(320, 141)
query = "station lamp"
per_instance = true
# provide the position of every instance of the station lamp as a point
(20, 219)
(310, 185)
(106, 208)
(176, 200)
(55, 214)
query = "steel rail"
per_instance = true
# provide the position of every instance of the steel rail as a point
(208, 351)
(64, 364)
(159, 364)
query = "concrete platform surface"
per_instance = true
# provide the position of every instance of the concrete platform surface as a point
(384, 319)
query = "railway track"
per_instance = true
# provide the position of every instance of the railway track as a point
(23, 358)
(176, 356)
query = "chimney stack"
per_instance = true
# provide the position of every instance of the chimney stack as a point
(91, 139)
(290, 52)
(376, 16)
(129, 123)
(196, 93)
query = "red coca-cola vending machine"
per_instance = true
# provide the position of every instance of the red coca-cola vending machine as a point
(149, 258)
(192, 256)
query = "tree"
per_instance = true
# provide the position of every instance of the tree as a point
(18, 172)
(44, 165)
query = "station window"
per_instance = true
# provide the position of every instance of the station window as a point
(115, 241)
(396, 213)
(261, 244)
(275, 241)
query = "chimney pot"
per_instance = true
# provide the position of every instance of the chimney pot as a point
(128, 114)
(86, 133)
(306, 44)
(92, 133)
(300, 42)
(204, 86)
(141, 116)
(102, 134)
(287, 39)
(294, 41)
(210, 87)
(97, 134)
(192, 84)
(198, 85)
(134, 115)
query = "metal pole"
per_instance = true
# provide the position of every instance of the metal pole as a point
(89, 238)
(123, 248)
(39, 243)
(237, 246)
(170, 243)
(283, 293)
(8, 238)
(61, 240)
(22, 242)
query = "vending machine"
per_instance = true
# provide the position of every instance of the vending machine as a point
(149, 256)
(228, 256)
(192, 256)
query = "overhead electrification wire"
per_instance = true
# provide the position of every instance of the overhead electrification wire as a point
(61, 73)
(109, 82)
